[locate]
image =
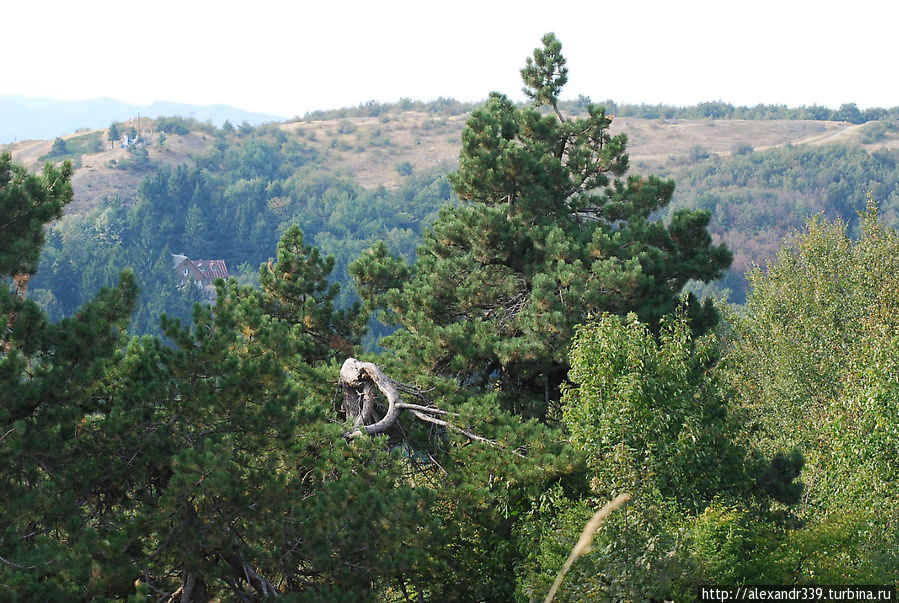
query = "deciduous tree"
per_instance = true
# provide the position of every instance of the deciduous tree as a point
(814, 361)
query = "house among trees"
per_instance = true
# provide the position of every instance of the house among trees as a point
(202, 272)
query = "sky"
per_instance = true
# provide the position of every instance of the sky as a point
(290, 57)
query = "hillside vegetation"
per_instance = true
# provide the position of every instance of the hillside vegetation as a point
(352, 177)
(368, 149)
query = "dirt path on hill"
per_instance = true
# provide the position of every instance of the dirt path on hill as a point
(827, 137)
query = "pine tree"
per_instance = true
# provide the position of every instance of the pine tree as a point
(550, 232)
(51, 378)
(113, 134)
(297, 290)
(27, 203)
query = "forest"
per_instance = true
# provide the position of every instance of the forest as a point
(518, 380)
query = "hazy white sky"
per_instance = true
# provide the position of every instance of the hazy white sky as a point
(290, 57)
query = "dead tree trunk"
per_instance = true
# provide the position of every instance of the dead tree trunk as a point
(361, 382)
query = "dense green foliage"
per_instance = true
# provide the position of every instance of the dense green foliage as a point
(27, 203)
(296, 290)
(52, 378)
(654, 420)
(814, 362)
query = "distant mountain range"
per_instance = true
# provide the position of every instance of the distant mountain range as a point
(23, 118)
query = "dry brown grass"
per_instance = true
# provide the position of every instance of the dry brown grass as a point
(369, 149)
(585, 542)
(656, 144)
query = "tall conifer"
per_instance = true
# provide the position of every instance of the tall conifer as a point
(51, 392)
(551, 231)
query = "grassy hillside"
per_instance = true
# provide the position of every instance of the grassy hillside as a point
(374, 150)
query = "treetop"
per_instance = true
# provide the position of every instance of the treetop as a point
(545, 73)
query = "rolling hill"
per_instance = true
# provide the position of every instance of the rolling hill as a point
(370, 149)
(228, 192)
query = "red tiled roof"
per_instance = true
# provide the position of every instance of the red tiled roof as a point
(207, 270)
(212, 269)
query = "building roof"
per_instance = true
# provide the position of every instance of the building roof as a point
(210, 269)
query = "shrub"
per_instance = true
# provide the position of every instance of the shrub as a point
(404, 168)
